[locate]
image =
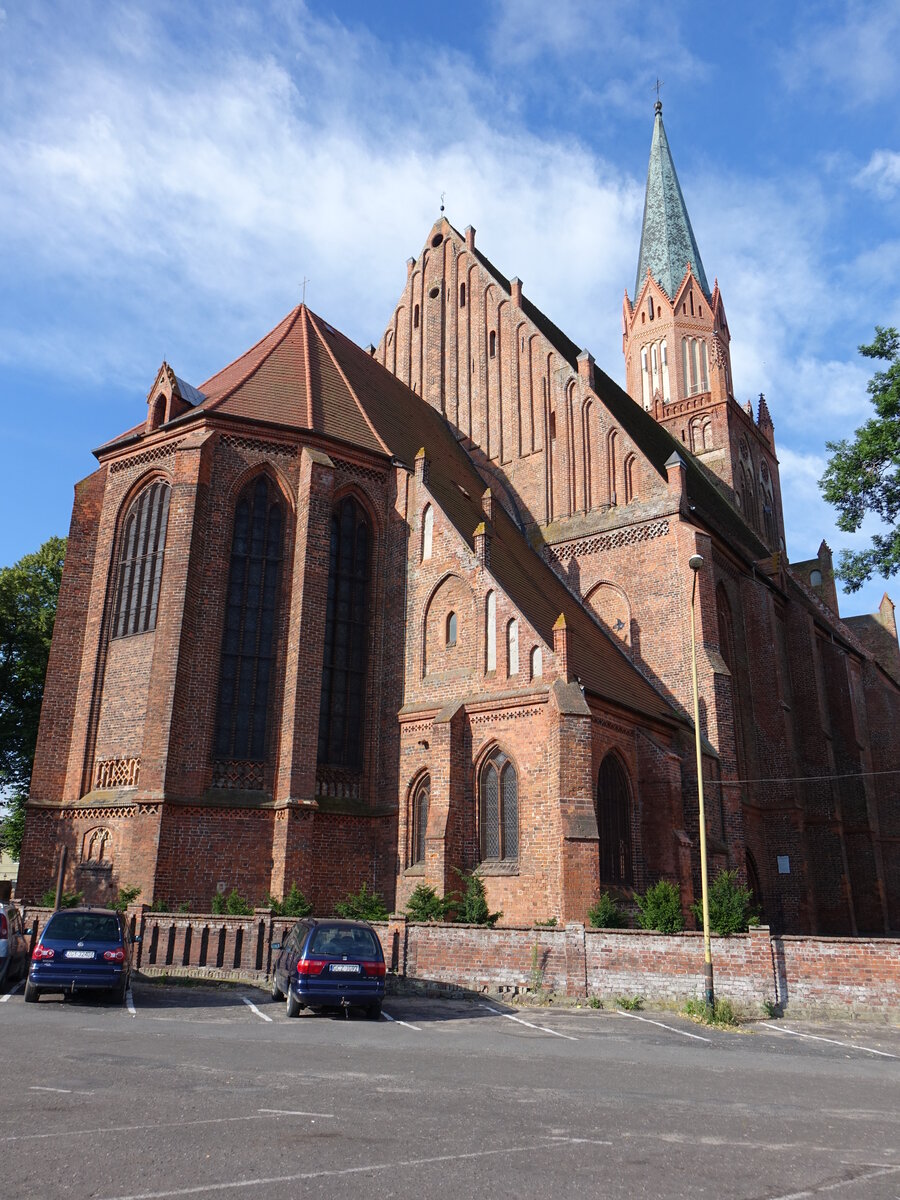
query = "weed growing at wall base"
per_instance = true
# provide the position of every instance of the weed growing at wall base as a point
(721, 1013)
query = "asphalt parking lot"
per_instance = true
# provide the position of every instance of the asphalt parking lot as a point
(209, 1092)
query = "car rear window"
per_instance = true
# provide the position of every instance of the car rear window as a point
(96, 927)
(334, 942)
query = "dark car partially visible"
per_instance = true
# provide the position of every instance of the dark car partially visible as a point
(13, 944)
(81, 949)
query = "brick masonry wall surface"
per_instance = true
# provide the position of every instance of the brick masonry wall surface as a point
(818, 976)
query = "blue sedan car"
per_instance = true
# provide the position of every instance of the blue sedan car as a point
(327, 963)
(81, 949)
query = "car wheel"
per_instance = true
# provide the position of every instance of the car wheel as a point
(277, 993)
(292, 1004)
(31, 993)
(373, 1012)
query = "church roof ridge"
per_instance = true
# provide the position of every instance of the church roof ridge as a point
(668, 244)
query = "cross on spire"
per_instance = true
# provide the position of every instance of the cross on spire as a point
(656, 87)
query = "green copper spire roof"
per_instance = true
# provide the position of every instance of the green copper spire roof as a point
(667, 240)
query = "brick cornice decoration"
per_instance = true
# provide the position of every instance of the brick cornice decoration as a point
(238, 773)
(260, 444)
(607, 541)
(504, 714)
(226, 812)
(359, 470)
(116, 773)
(607, 723)
(143, 459)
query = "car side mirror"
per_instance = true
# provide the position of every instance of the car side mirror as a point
(276, 945)
(135, 939)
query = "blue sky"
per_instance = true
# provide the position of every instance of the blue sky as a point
(169, 173)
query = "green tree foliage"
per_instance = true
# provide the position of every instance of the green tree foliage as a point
(362, 906)
(295, 904)
(426, 905)
(28, 594)
(730, 906)
(606, 914)
(472, 906)
(232, 905)
(863, 476)
(126, 896)
(660, 908)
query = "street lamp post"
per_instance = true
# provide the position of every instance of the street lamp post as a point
(695, 562)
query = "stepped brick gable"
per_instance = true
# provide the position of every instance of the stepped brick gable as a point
(341, 616)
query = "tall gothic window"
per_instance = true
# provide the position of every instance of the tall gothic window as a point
(141, 552)
(419, 822)
(251, 607)
(346, 639)
(499, 811)
(614, 823)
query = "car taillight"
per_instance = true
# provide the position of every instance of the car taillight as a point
(377, 969)
(114, 955)
(310, 966)
(41, 952)
(4, 927)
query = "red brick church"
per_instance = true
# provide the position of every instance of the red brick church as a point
(340, 615)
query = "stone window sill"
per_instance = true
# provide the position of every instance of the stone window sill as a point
(510, 867)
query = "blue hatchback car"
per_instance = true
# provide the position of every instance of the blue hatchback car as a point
(327, 963)
(81, 949)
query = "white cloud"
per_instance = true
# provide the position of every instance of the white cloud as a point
(852, 60)
(881, 174)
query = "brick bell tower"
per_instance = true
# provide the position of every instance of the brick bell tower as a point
(676, 342)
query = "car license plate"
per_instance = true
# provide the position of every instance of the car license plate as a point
(79, 954)
(346, 968)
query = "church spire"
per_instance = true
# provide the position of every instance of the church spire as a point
(667, 239)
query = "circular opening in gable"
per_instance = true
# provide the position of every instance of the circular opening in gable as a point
(437, 239)
(434, 293)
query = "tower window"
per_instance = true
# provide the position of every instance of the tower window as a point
(650, 306)
(427, 531)
(490, 632)
(462, 295)
(346, 638)
(251, 606)
(493, 344)
(140, 564)
(499, 809)
(416, 317)
(451, 629)
(512, 647)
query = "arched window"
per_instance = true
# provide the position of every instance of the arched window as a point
(537, 663)
(499, 794)
(419, 821)
(611, 466)
(141, 552)
(512, 647)
(490, 631)
(686, 367)
(614, 823)
(493, 344)
(451, 629)
(427, 531)
(416, 317)
(346, 638)
(645, 379)
(629, 478)
(664, 354)
(251, 606)
(462, 295)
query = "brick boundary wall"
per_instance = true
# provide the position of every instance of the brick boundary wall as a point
(799, 974)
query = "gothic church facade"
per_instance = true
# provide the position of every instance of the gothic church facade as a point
(341, 616)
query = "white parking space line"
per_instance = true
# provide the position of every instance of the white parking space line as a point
(129, 1001)
(107, 1129)
(290, 1112)
(253, 1008)
(397, 1021)
(12, 991)
(231, 1185)
(839, 1183)
(63, 1091)
(671, 1028)
(814, 1037)
(519, 1021)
